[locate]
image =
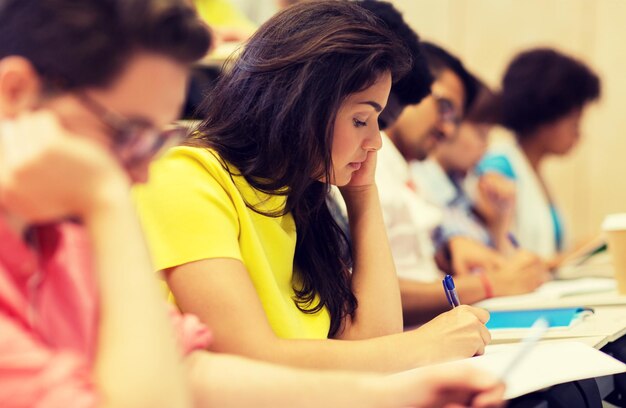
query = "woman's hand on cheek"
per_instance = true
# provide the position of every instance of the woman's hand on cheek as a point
(365, 176)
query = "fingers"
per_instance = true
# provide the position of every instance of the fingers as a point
(497, 262)
(491, 398)
(481, 314)
(485, 335)
(537, 277)
(468, 386)
(460, 266)
(481, 335)
(468, 254)
(487, 390)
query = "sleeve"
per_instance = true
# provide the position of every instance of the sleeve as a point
(32, 375)
(458, 221)
(496, 163)
(187, 211)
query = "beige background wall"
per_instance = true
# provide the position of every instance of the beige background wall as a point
(591, 181)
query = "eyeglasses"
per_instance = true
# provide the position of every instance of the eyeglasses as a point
(447, 111)
(135, 141)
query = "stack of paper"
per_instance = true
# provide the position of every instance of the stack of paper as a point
(547, 364)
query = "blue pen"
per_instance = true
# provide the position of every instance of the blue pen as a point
(445, 290)
(451, 295)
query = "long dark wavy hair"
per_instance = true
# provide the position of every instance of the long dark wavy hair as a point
(272, 114)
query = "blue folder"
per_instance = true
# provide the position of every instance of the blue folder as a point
(522, 319)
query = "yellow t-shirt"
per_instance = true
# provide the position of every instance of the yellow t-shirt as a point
(221, 13)
(192, 209)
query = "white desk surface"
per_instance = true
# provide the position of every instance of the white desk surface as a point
(606, 325)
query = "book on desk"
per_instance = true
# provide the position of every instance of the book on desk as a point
(521, 319)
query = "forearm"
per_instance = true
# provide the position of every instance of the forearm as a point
(470, 289)
(421, 302)
(390, 353)
(223, 381)
(501, 238)
(374, 279)
(136, 361)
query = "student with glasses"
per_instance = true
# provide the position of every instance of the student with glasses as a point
(411, 220)
(444, 177)
(135, 139)
(82, 322)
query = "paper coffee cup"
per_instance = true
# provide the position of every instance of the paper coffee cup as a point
(614, 227)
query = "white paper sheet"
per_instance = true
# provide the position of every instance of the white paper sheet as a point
(547, 364)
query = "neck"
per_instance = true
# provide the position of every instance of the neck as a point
(533, 151)
(442, 163)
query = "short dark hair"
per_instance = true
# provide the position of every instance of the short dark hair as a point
(440, 60)
(542, 85)
(74, 44)
(415, 85)
(272, 116)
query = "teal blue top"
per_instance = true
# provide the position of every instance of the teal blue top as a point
(499, 163)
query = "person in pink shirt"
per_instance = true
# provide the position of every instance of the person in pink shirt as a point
(87, 90)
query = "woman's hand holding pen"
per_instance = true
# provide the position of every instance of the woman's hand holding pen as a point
(459, 333)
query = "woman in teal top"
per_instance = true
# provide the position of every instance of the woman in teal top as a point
(544, 94)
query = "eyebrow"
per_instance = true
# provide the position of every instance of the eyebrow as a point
(373, 104)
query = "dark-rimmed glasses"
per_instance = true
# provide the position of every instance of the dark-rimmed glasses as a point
(135, 141)
(447, 111)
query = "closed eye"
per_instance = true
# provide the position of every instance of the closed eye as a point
(357, 123)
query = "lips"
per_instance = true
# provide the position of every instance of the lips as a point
(355, 165)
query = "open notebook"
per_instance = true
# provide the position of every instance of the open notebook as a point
(548, 363)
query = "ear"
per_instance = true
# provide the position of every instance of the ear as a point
(20, 86)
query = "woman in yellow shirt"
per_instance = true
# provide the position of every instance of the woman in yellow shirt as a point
(238, 218)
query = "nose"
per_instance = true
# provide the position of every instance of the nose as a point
(447, 129)
(373, 141)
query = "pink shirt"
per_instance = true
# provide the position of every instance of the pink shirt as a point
(49, 319)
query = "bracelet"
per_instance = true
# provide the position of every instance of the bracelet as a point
(486, 285)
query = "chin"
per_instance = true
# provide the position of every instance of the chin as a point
(341, 181)
(418, 155)
(138, 176)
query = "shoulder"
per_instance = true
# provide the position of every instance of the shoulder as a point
(189, 168)
(187, 158)
(498, 162)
